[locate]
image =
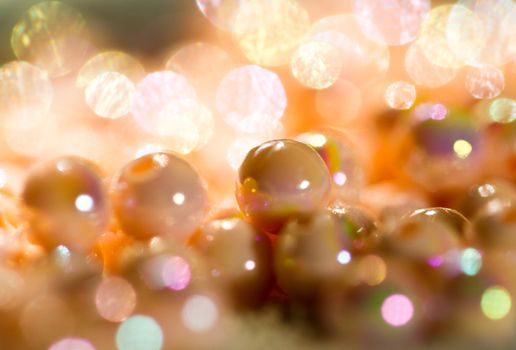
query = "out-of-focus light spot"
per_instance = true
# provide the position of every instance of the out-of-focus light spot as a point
(111, 61)
(249, 265)
(221, 13)
(316, 65)
(268, 31)
(178, 198)
(372, 270)
(395, 22)
(72, 344)
(25, 95)
(115, 299)
(109, 95)
(139, 333)
(84, 203)
(363, 59)
(429, 110)
(340, 178)
(199, 313)
(397, 310)
(465, 33)
(348, 108)
(250, 90)
(344, 257)
(51, 35)
(485, 82)
(176, 273)
(424, 71)
(432, 40)
(462, 148)
(486, 190)
(503, 110)
(470, 261)
(436, 261)
(496, 303)
(400, 95)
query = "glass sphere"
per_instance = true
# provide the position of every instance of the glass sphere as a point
(159, 194)
(449, 217)
(280, 179)
(346, 173)
(66, 203)
(239, 257)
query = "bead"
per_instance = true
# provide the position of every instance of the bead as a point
(239, 257)
(452, 218)
(159, 194)
(486, 194)
(280, 179)
(66, 204)
(309, 258)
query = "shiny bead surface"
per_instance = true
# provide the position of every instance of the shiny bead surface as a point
(487, 194)
(280, 179)
(239, 257)
(159, 195)
(66, 203)
(447, 216)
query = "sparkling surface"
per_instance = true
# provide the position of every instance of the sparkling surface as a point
(400, 95)
(268, 31)
(496, 303)
(200, 313)
(503, 110)
(72, 344)
(109, 95)
(139, 333)
(485, 82)
(250, 90)
(51, 35)
(395, 22)
(111, 61)
(115, 299)
(316, 65)
(26, 95)
(397, 310)
(424, 71)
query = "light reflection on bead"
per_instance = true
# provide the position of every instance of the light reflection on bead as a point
(115, 299)
(268, 195)
(200, 313)
(139, 333)
(400, 95)
(397, 21)
(144, 192)
(268, 31)
(51, 35)
(72, 344)
(485, 82)
(109, 95)
(397, 310)
(316, 65)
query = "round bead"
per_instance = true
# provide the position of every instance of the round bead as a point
(66, 204)
(159, 195)
(486, 194)
(452, 218)
(239, 258)
(280, 179)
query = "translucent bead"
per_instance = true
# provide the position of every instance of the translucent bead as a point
(239, 257)
(450, 217)
(346, 172)
(159, 194)
(66, 203)
(280, 179)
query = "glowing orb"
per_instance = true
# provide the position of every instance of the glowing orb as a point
(199, 313)
(485, 82)
(268, 31)
(115, 299)
(139, 333)
(397, 310)
(111, 61)
(25, 95)
(395, 22)
(496, 303)
(250, 90)
(503, 110)
(400, 95)
(316, 65)
(470, 261)
(423, 71)
(72, 344)
(50, 35)
(221, 13)
(109, 95)
(176, 271)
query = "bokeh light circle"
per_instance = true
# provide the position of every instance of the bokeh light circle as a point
(220, 13)
(200, 313)
(496, 302)
(397, 310)
(503, 110)
(115, 299)
(72, 344)
(400, 95)
(109, 95)
(139, 332)
(485, 82)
